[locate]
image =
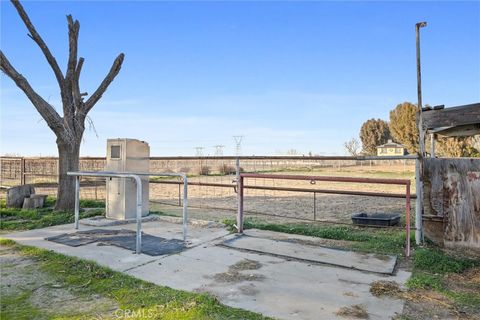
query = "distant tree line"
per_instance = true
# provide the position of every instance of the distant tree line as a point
(402, 128)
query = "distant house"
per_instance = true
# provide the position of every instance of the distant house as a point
(391, 149)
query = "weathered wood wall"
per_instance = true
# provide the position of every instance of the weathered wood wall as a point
(452, 202)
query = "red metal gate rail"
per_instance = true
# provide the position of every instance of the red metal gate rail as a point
(404, 182)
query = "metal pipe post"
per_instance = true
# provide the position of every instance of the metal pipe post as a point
(407, 221)
(237, 180)
(179, 196)
(138, 181)
(240, 206)
(77, 201)
(418, 205)
(185, 206)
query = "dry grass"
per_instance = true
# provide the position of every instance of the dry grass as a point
(356, 311)
(385, 288)
(234, 273)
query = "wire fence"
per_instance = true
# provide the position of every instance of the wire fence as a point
(212, 192)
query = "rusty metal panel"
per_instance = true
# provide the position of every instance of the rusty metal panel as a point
(452, 191)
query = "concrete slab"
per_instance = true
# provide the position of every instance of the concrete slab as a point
(306, 251)
(275, 286)
(113, 257)
(278, 288)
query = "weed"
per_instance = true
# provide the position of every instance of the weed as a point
(138, 296)
(425, 281)
(366, 240)
(435, 261)
(17, 219)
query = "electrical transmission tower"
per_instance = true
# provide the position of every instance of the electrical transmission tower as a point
(219, 150)
(238, 145)
(199, 151)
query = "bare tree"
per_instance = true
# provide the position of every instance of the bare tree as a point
(292, 152)
(69, 128)
(353, 147)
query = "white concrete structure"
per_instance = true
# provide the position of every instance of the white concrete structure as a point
(126, 155)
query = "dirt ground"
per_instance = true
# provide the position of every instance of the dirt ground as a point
(29, 293)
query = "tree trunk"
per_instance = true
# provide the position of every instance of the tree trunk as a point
(68, 160)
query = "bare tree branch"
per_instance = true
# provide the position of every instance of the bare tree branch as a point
(51, 116)
(73, 31)
(36, 37)
(114, 70)
(77, 96)
(69, 103)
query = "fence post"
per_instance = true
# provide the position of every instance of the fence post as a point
(22, 171)
(239, 197)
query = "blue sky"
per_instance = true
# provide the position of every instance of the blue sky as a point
(285, 75)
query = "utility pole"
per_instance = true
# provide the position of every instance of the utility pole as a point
(238, 145)
(419, 89)
(219, 150)
(421, 144)
(199, 151)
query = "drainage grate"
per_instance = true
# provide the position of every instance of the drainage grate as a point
(151, 245)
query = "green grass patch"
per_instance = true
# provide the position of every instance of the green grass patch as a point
(18, 219)
(431, 267)
(133, 295)
(15, 219)
(433, 260)
(50, 202)
(423, 280)
(365, 239)
(18, 306)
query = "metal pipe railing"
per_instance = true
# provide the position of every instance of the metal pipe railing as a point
(406, 183)
(135, 176)
(311, 190)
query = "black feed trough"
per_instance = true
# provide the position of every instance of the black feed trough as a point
(376, 219)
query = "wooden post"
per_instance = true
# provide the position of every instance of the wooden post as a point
(22, 171)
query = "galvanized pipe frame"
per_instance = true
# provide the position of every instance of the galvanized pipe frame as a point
(135, 176)
(404, 182)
